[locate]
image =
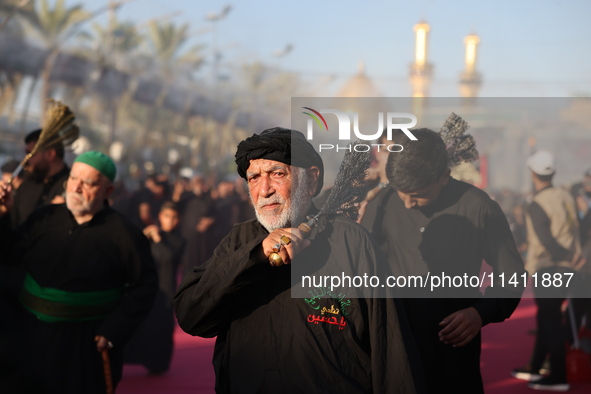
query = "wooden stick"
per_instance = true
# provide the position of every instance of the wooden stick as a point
(107, 370)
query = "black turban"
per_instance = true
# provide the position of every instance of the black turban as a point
(277, 144)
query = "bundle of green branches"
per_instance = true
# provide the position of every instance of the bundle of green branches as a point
(58, 129)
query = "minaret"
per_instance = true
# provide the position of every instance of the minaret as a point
(421, 70)
(470, 79)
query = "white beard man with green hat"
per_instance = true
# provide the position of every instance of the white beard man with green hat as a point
(90, 282)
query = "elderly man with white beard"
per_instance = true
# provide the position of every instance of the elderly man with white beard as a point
(90, 282)
(267, 341)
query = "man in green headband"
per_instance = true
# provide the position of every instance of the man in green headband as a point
(90, 282)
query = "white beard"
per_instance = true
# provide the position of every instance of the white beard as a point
(293, 211)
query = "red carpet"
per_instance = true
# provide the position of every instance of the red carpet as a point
(505, 346)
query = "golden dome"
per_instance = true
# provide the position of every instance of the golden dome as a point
(360, 85)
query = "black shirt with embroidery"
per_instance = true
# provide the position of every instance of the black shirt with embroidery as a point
(269, 342)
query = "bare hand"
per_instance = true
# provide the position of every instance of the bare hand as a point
(204, 224)
(287, 252)
(102, 343)
(578, 262)
(58, 200)
(362, 207)
(6, 199)
(153, 233)
(460, 327)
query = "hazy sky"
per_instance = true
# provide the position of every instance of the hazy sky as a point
(528, 47)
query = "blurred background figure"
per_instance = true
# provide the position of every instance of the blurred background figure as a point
(198, 216)
(152, 344)
(46, 173)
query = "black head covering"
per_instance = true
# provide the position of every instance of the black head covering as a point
(277, 144)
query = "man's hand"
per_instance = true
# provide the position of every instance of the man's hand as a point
(153, 232)
(287, 252)
(6, 200)
(102, 343)
(362, 207)
(460, 327)
(577, 262)
(204, 224)
(58, 200)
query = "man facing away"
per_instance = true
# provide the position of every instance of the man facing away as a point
(267, 341)
(90, 282)
(428, 223)
(553, 249)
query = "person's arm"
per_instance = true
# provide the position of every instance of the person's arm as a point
(541, 224)
(206, 297)
(13, 243)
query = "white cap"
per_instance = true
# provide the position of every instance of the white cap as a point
(542, 163)
(186, 172)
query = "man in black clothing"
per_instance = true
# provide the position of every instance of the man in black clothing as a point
(427, 223)
(46, 174)
(90, 282)
(42, 183)
(267, 341)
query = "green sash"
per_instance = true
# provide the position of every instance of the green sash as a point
(54, 305)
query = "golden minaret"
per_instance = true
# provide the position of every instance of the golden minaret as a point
(470, 79)
(421, 70)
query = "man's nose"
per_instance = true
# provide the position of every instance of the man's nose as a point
(266, 189)
(409, 202)
(75, 186)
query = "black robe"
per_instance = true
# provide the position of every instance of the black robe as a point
(199, 245)
(269, 342)
(152, 343)
(453, 235)
(105, 253)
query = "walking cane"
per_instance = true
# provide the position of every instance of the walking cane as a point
(107, 370)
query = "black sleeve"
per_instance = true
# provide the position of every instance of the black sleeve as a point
(205, 296)
(501, 253)
(14, 243)
(541, 224)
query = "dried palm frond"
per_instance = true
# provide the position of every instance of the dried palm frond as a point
(461, 147)
(59, 129)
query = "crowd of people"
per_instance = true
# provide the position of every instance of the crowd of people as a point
(93, 268)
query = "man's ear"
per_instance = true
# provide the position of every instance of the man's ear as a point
(445, 177)
(110, 189)
(313, 175)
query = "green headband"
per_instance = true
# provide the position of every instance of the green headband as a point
(100, 161)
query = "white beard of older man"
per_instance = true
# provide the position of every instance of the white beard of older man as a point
(282, 196)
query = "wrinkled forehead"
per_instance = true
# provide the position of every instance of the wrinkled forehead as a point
(85, 171)
(263, 165)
